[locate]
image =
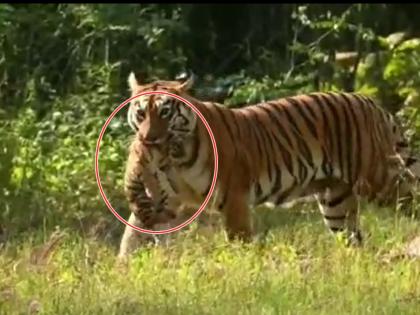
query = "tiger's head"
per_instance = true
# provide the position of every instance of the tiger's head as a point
(158, 117)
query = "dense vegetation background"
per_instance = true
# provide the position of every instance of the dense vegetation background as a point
(64, 67)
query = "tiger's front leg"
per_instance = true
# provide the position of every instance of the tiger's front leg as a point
(237, 217)
(234, 194)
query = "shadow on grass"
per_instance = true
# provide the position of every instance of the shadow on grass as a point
(266, 218)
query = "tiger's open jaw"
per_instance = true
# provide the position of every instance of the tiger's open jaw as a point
(153, 143)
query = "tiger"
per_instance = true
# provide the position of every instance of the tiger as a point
(337, 146)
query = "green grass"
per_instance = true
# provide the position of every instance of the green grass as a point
(296, 268)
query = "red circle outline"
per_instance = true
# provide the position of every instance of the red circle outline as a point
(215, 172)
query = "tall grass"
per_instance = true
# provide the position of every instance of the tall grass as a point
(296, 268)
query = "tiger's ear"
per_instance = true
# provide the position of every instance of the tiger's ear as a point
(187, 83)
(133, 83)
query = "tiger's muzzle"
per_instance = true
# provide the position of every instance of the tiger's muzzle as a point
(153, 142)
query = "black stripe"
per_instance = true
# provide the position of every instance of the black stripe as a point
(258, 192)
(402, 144)
(287, 158)
(226, 190)
(183, 124)
(368, 100)
(195, 151)
(267, 135)
(384, 180)
(314, 172)
(277, 184)
(349, 140)
(234, 118)
(369, 122)
(263, 199)
(276, 110)
(283, 196)
(307, 155)
(339, 199)
(334, 218)
(139, 117)
(337, 135)
(206, 191)
(348, 135)
(174, 103)
(410, 161)
(223, 119)
(132, 187)
(172, 184)
(383, 122)
(357, 145)
(136, 180)
(308, 121)
(310, 110)
(303, 172)
(272, 153)
(326, 164)
(254, 134)
(245, 123)
(295, 131)
(303, 147)
(364, 108)
(223, 202)
(292, 121)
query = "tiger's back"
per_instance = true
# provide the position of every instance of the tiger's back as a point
(276, 150)
(297, 142)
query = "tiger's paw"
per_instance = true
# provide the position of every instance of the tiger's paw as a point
(355, 239)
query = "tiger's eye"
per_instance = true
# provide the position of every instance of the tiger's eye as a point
(165, 112)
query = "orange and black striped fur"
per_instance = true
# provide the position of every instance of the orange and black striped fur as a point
(337, 146)
(145, 185)
(146, 193)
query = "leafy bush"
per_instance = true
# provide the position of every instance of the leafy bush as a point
(49, 160)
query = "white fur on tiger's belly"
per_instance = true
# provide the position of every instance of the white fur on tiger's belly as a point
(290, 204)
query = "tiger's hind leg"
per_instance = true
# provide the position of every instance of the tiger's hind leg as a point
(339, 208)
(403, 193)
(399, 192)
(410, 181)
(406, 166)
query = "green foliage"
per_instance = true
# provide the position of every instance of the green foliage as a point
(50, 50)
(52, 164)
(389, 72)
(251, 90)
(402, 70)
(311, 63)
